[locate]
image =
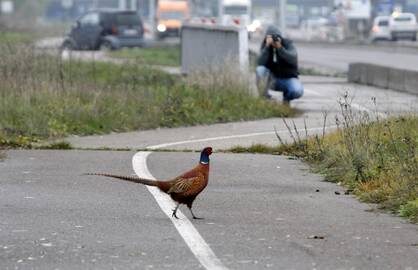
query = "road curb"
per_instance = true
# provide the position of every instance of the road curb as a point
(384, 77)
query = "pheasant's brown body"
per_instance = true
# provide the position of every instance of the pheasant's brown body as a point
(184, 188)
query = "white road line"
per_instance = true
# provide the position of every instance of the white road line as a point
(353, 105)
(312, 92)
(362, 108)
(159, 146)
(188, 232)
(191, 236)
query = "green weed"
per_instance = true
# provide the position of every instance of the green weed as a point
(255, 148)
(59, 145)
(43, 97)
(13, 37)
(377, 158)
(410, 210)
(164, 56)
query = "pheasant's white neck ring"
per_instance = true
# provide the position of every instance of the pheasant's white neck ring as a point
(204, 158)
(204, 155)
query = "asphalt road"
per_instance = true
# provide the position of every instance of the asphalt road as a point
(338, 56)
(260, 212)
(335, 58)
(326, 57)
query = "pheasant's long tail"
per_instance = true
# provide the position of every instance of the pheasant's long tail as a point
(134, 179)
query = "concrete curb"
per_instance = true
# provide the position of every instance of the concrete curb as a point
(384, 77)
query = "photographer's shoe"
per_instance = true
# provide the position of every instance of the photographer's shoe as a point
(266, 95)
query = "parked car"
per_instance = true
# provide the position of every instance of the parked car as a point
(403, 26)
(105, 29)
(380, 29)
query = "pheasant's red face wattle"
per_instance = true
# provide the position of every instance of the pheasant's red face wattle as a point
(208, 150)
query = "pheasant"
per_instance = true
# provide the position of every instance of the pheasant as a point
(184, 188)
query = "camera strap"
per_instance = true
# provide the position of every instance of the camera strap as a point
(274, 55)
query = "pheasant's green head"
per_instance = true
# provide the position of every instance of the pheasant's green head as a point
(204, 155)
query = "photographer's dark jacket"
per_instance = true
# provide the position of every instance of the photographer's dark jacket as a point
(286, 65)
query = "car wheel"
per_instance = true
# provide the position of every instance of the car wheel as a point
(106, 46)
(67, 45)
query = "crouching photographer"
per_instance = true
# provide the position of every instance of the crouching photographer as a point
(278, 67)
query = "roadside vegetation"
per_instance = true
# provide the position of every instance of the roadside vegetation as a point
(13, 37)
(43, 97)
(2, 154)
(375, 158)
(162, 56)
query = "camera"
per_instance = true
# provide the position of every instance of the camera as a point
(275, 37)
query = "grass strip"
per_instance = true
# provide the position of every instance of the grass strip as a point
(43, 97)
(163, 56)
(377, 159)
(14, 37)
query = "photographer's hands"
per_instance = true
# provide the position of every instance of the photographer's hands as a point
(271, 43)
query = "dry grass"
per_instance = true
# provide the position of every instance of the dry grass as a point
(2, 154)
(164, 56)
(42, 97)
(377, 158)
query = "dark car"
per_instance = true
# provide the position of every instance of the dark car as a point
(105, 29)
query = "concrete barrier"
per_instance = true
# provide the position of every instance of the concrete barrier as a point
(211, 45)
(411, 81)
(396, 79)
(377, 75)
(384, 77)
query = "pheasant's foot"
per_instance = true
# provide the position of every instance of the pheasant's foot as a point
(175, 211)
(175, 214)
(194, 217)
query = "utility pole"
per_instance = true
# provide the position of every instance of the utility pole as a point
(283, 5)
(192, 7)
(280, 15)
(151, 17)
(122, 4)
(277, 13)
(220, 11)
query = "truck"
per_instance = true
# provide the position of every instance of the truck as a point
(170, 17)
(236, 12)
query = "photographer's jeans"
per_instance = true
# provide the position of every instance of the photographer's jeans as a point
(292, 88)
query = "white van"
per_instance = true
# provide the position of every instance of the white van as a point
(403, 25)
(380, 29)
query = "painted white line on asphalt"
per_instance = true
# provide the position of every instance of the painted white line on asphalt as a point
(362, 108)
(159, 146)
(312, 92)
(188, 232)
(191, 236)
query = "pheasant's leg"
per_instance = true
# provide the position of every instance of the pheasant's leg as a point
(191, 211)
(175, 211)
